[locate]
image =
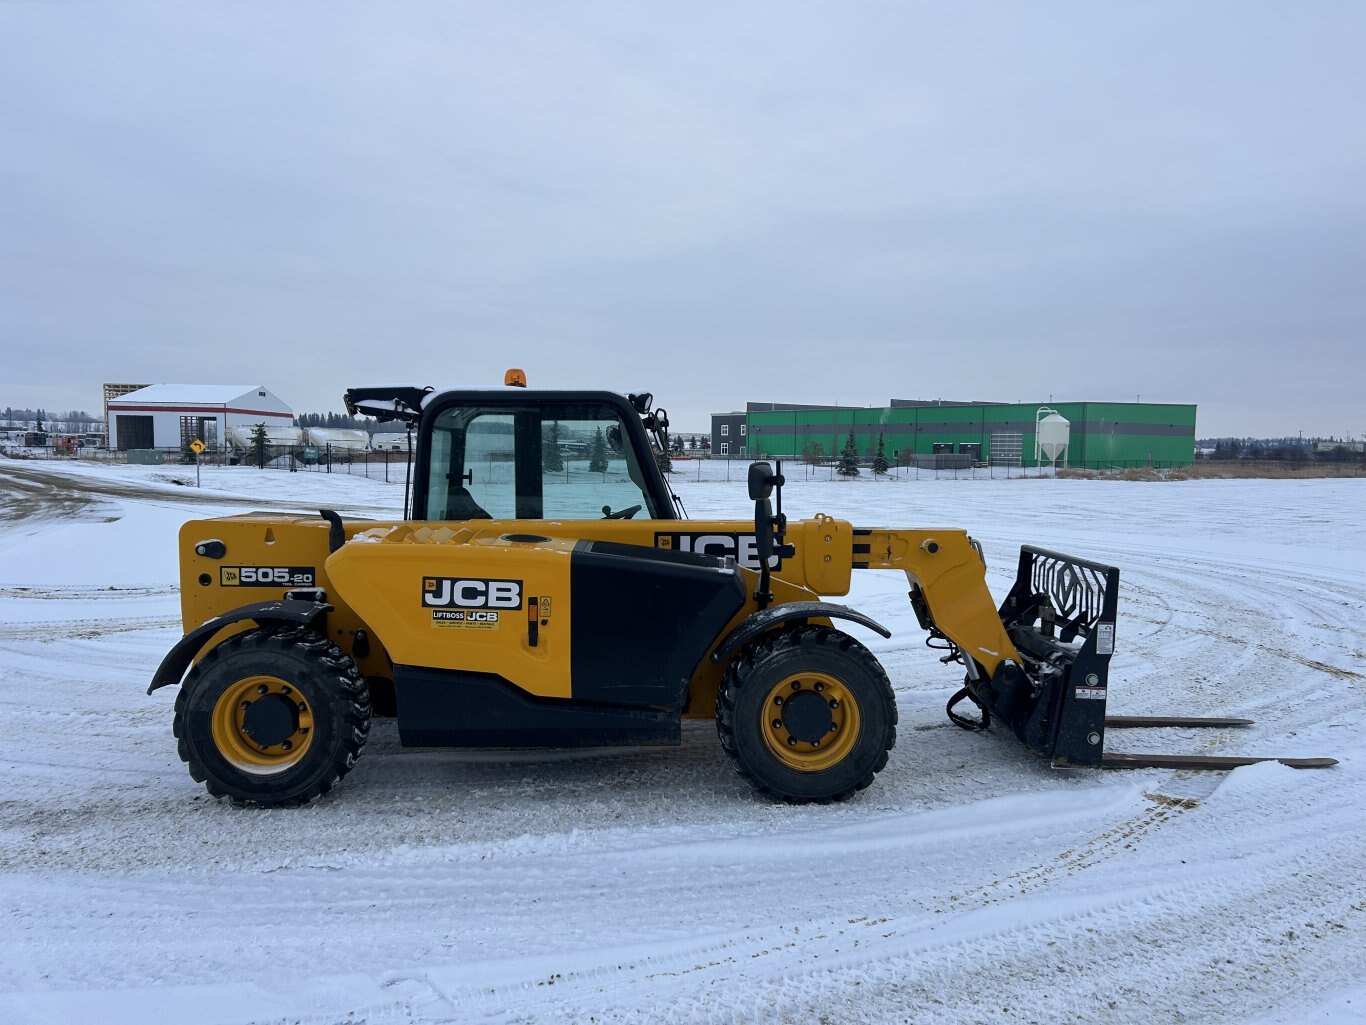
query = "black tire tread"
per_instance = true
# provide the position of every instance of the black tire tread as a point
(806, 638)
(343, 676)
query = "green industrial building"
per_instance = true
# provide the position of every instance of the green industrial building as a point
(1100, 435)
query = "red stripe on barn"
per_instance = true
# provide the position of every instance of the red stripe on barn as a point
(212, 410)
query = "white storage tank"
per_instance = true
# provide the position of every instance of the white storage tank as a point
(338, 439)
(1052, 433)
(239, 437)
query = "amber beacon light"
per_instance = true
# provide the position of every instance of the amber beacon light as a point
(515, 378)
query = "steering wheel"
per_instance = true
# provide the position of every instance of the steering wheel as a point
(620, 514)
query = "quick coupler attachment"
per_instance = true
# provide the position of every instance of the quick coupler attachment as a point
(1060, 614)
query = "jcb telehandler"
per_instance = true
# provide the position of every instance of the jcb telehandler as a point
(544, 589)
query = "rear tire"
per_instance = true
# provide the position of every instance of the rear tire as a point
(272, 716)
(807, 715)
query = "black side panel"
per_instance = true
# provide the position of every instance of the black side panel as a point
(442, 708)
(643, 620)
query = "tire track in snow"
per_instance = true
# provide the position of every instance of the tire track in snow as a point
(1268, 640)
(1094, 930)
(795, 969)
(88, 628)
(78, 593)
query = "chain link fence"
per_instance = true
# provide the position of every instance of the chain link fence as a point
(377, 464)
(390, 465)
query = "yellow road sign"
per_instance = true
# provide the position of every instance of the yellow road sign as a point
(197, 446)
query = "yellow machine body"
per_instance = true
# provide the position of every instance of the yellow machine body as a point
(373, 582)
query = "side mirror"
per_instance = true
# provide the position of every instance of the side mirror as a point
(763, 531)
(760, 481)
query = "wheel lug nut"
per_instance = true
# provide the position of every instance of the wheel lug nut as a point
(834, 727)
(815, 743)
(285, 690)
(834, 702)
(262, 689)
(778, 700)
(777, 724)
(796, 684)
(791, 741)
(246, 705)
(820, 686)
(287, 745)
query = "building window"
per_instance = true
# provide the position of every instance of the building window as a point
(725, 430)
(742, 429)
(725, 446)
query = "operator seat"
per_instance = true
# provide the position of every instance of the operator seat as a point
(460, 505)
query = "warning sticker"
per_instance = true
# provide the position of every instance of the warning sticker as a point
(1105, 638)
(1090, 693)
(461, 619)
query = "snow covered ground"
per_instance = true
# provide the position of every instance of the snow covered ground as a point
(971, 883)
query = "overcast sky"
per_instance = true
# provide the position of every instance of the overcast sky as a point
(718, 202)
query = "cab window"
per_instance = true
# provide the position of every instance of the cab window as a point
(554, 461)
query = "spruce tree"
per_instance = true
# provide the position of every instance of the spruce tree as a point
(848, 464)
(880, 463)
(597, 453)
(550, 449)
(258, 445)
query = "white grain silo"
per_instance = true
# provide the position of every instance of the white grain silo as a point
(1052, 432)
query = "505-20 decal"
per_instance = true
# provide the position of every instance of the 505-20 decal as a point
(267, 576)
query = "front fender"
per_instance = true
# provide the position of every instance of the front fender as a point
(295, 611)
(794, 610)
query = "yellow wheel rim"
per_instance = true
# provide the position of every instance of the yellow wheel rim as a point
(809, 721)
(262, 725)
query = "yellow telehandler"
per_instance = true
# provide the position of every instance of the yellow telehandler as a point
(543, 589)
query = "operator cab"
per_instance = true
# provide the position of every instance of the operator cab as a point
(509, 454)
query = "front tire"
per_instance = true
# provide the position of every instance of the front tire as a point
(272, 717)
(807, 715)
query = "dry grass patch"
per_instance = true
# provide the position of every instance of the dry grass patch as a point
(1222, 471)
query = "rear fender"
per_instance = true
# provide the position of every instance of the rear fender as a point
(289, 611)
(795, 611)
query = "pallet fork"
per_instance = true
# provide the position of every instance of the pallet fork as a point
(1060, 614)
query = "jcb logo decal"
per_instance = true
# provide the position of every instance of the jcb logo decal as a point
(456, 592)
(743, 548)
(267, 576)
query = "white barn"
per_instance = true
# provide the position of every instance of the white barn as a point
(172, 415)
